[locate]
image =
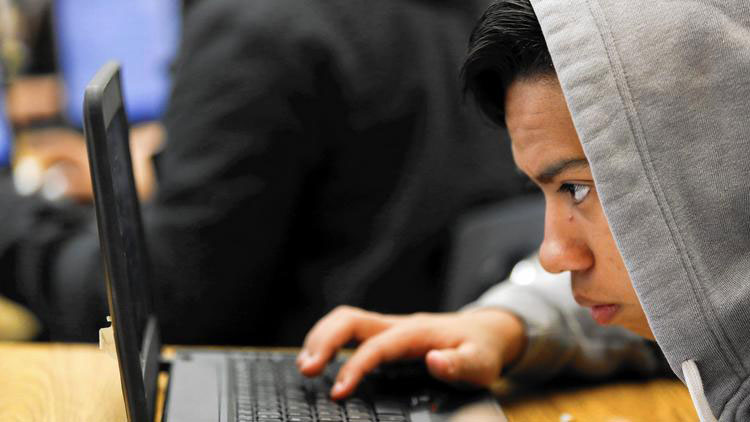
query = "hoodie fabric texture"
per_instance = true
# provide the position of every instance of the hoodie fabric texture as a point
(659, 92)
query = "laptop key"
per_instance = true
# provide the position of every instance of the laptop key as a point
(387, 407)
(269, 414)
(391, 418)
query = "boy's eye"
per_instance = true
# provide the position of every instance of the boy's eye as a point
(576, 191)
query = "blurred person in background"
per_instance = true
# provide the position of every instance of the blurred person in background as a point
(47, 48)
(16, 323)
(316, 154)
(64, 42)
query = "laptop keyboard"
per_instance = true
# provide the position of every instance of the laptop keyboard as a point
(269, 388)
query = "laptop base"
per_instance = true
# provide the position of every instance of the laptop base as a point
(267, 387)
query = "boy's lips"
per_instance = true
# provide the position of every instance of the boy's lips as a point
(604, 314)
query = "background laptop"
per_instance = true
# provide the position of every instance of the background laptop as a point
(226, 386)
(6, 135)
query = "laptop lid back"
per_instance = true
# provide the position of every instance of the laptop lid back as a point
(122, 241)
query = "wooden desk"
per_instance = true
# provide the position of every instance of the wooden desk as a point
(53, 382)
(662, 400)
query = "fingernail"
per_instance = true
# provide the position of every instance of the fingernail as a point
(310, 359)
(301, 357)
(443, 362)
(338, 388)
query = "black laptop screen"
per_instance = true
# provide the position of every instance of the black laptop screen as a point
(122, 241)
(129, 220)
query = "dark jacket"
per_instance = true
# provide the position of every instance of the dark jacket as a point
(316, 153)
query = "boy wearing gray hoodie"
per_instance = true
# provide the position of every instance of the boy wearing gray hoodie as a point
(632, 118)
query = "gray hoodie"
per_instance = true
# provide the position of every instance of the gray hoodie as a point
(659, 92)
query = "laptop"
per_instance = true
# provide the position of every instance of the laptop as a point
(223, 385)
(6, 135)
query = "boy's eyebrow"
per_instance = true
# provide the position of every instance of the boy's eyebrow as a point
(558, 167)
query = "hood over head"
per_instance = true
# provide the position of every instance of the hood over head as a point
(659, 92)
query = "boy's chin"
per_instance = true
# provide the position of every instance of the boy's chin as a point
(641, 329)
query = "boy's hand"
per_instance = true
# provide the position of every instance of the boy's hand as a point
(467, 346)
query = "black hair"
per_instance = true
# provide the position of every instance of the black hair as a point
(507, 44)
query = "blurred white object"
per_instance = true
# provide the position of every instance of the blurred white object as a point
(524, 273)
(107, 339)
(28, 176)
(55, 183)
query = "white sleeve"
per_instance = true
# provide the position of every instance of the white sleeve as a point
(562, 337)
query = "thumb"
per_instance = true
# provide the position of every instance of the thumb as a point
(466, 363)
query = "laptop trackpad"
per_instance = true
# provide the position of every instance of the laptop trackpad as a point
(195, 389)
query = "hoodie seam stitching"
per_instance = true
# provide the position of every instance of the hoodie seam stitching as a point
(621, 81)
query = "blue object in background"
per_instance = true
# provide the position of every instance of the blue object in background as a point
(6, 135)
(141, 34)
